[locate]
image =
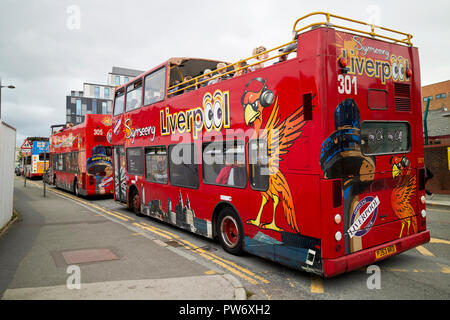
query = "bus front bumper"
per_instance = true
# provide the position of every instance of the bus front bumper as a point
(333, 267)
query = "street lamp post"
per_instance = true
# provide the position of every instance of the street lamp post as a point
(1, 87)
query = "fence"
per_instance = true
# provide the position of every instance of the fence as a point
(437, 159)
(7, 154)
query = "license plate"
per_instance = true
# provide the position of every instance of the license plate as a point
(380, 253)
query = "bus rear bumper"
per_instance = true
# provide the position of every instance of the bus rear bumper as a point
(333, 267)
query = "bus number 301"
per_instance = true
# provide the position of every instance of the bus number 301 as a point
(346, 84)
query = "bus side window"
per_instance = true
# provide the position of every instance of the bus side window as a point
(183, 167)
(154, 86)
(258, 163)
(224, 163)
(135, 161)
(134, 96)
(156, 164)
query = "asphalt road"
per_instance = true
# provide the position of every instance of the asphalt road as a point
(422, 273)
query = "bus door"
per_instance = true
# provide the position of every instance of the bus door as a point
(120, 183)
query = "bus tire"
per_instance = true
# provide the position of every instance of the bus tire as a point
(230, 231)
(75, 188)
(135, 202)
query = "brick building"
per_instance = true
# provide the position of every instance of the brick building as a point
(437, 152)
(439, 95)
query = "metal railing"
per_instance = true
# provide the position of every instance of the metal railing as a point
(216, 73)
(406, 37)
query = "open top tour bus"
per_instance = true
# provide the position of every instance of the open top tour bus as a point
(81, 157)
(312, 157)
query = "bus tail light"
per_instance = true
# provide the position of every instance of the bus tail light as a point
(409, 73)
(338, 236)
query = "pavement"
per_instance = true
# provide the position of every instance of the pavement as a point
(60, 249)
(441, 201)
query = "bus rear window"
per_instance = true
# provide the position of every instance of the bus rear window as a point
(385, 137)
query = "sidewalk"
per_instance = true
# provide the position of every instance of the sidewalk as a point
(53, 233)
(441, 201)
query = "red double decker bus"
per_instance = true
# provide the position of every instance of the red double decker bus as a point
(312, 157)
(80, 157)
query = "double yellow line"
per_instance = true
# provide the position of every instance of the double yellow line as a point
(114, 214)
(242, 272)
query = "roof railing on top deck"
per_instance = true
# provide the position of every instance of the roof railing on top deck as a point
(405, 37)
(194, 82)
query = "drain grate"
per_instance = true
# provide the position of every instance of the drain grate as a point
(88, 255)
(174, 243)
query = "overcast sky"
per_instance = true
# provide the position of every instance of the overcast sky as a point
(46, 51)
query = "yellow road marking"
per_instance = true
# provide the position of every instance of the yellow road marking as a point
(445, 269)
(212, 255)
(152, 230)
(229, 265)
(424, 251)
(434, 240)
(210, 272)
(84, 202)
(123, 215)
(316, 284)
(137, 234)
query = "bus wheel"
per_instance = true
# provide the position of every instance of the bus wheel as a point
(230, 231)
(75, 188)
(135, 203)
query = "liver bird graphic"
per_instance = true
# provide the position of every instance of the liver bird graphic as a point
(403, 192)
(280, 136)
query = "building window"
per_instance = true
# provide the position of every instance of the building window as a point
(78, 110)
(117, 80)
(94, 106)
(97, 92)
(125, 79)
(427, 98)
(106, 93)
(104, 107)
(440, 96)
